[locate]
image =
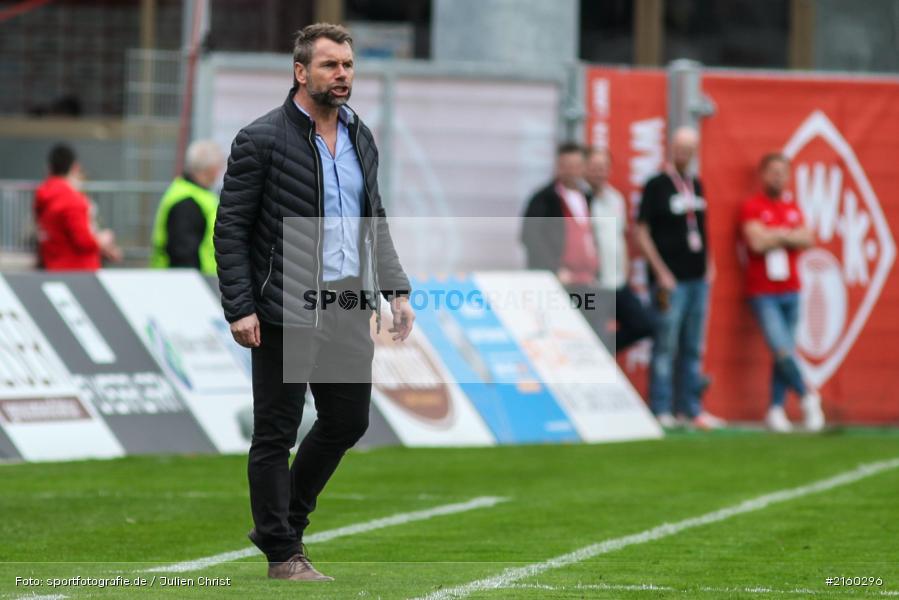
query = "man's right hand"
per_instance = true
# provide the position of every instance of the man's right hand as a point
(666, 279)
(246, 331)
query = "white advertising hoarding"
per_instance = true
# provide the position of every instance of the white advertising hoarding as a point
(41, 409)
(178, 319)
(568, 357)
(413, 390)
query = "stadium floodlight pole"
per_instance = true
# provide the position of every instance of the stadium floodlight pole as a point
(198, 11)
(687, 105)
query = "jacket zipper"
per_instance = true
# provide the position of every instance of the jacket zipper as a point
(374, 235)
(321, 216)
(271, 262)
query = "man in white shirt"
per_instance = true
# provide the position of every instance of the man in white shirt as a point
(609, 214)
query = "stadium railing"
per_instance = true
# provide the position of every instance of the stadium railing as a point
(126, 207)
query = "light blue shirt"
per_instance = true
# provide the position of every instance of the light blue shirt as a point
(344, 194)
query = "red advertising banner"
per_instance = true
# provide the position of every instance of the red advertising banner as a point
(842, 136)
(626, 113)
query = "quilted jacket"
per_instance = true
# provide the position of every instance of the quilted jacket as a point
(274, 173)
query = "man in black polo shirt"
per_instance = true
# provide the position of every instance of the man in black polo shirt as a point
(671, 233)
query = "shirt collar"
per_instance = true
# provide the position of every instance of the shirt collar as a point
(344, 113)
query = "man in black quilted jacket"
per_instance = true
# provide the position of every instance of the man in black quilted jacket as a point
(304, 255)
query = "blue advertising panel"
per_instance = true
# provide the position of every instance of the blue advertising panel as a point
(487, 363)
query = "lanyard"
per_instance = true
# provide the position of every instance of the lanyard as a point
(685, 189)
(688, 193)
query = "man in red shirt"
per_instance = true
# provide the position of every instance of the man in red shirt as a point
(67, 240)
(775, 235)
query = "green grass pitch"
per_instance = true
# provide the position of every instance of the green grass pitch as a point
(120, 517)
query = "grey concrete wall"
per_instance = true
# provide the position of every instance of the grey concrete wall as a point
(106, 148)
(25, 158)
(498, 31)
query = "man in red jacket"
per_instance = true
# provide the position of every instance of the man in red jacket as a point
(67, 240)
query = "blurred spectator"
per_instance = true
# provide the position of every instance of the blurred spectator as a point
(609, 212)
(182, 233)
(557, 234)
(68, 239)
(775, 234)
(671, 233)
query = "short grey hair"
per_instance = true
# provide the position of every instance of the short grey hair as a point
(201, 155)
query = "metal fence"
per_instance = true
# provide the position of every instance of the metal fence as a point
(154, 93)
(125, 207)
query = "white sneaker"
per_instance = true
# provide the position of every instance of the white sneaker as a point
(667, 421)
(707, 421)
(811, 409)
(777, 420)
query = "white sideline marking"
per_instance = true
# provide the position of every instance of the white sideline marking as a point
(324, 536)
(513, 574)
(649, 587)
(49, 597)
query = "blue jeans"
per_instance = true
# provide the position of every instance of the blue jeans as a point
(778, 315)
(675, 367)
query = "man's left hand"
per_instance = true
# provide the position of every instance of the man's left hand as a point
(403, 317)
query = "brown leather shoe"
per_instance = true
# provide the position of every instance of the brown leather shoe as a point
(296, 568)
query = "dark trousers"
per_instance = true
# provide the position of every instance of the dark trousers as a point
(603, 307)
(635, 321)
(335, 360)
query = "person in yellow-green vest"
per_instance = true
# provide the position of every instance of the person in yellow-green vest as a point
(182, 233)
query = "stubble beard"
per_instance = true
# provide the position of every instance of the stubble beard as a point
(326, 99)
